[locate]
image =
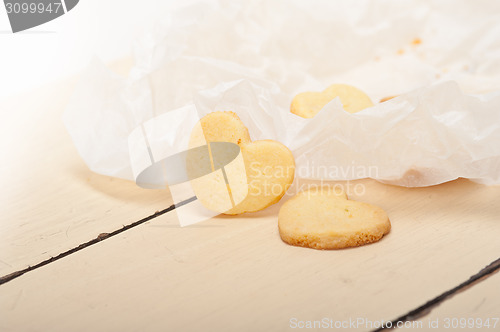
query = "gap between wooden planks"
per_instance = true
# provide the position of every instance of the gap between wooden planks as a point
(248, 269)
(50, 202)
(441, 236)
(414, 316)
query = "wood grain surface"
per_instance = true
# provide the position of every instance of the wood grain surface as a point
(50, 201)
(475, 308)
(226, 273)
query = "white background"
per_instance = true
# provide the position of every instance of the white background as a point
(66, 45)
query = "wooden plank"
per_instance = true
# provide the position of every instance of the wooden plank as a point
(228, 273)
(49, 201)
(477, 307)
(234, 273)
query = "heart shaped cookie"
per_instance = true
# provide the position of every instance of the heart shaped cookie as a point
(323, 218)
(258, 178)
(308, 104)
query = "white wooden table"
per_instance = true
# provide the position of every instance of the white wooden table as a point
(227, 273)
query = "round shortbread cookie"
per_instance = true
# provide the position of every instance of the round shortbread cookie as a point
(323, 218)
(258, 177)
(308, 104)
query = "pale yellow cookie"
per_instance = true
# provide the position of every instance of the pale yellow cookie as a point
(308, 104)
(212, 189)
(258, 177)
(323, 218)
(219, 127)
(270, 169)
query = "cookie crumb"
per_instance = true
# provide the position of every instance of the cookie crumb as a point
(387, 98)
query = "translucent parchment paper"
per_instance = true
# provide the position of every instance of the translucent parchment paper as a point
(441, 60)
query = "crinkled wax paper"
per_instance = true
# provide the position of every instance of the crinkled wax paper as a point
(442, 60)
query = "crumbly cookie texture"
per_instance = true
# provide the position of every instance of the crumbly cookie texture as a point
(258, 177)
(270, 169)
(221, 126)
(308, 104)
(324, 218)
